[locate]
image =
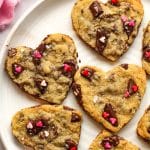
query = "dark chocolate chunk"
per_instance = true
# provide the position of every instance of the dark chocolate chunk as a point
(128, 27)
(36, 126)
(132, 87)
(125, 66)
(36, 55)
(101, 40)
(41, 84)
(96, 9)
(108, 108)
(109, 114)
(77, 91)
(12, 52)
(41, 48)
(31, 129)
(87, 73)
(17, 69)
(115, 140)
(32, 132)
(69, 68)
(147, 47)
(70, 144)
(75, 117)
(112, 141)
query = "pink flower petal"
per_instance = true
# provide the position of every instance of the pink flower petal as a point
(7, 12)
(1, 2)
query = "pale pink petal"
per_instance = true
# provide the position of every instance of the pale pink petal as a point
(1, 2)
(7, 12)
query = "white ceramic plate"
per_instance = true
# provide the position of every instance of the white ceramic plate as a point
(53, 16)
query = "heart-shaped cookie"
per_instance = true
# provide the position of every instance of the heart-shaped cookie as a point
(146, 49)
(111, 98)
(108, 141)
(46, 72)
(143, 128)
(109, 28)
(48, 127)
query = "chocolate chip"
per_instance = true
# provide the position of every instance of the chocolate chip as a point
(70, 144)
(87, 73)
(69, 68)
(101, 40)
(75, 117)
(96, 9)
(41, 48)
(12, 52)
(17, 69)
(108, 108)
(109, 114)
(125, 66)
(77, 91)
(113, 141)
(41, 84)
(146, 54)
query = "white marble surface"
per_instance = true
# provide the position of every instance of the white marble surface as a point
(20, 9)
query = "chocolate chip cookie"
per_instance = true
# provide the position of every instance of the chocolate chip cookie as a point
(109, 28)
(146, 49)
(48, 127)
(143, 128)
(108, 141)
(112, 97)
(47, 71)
